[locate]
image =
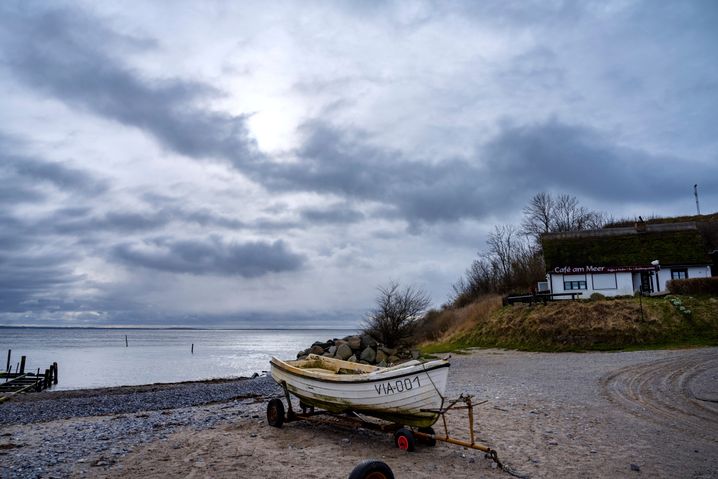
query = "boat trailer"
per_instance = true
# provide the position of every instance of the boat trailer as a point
(405, 438)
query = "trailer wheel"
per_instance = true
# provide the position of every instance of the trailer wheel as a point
(404, 439)
(275, 413)
(429, 441)
(371, 469)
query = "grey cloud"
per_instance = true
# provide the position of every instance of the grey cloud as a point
(60, 176)
(345, 163)
(11, 237)
(332, 215)
(66, 59)
(35, 281)
(23, 173)
(532, 72)
(504, 172)
(12, 194)
(83, 221)
(66, 54)
(553, 155)
(210, 256)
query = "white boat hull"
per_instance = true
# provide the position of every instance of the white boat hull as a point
(400, 395)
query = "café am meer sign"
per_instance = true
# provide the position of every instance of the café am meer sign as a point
(601, 269)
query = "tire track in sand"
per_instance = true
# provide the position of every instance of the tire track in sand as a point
(663, 392)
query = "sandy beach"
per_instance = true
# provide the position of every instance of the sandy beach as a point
(626, 414)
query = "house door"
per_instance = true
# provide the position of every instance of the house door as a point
(646, 282)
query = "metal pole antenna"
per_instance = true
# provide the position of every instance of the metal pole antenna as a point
(695, 193)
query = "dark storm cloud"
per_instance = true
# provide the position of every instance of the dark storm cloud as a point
(21, 174)
(345, 163)
(30, 281)
(210, 256)
(63, 177)
(68, 55)
(504, 173)
(575, 159)
(12, 194)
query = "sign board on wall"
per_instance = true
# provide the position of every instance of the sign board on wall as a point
(601, 269)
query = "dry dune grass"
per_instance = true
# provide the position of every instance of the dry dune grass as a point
(439, 326)
(573, 325)
(468, 317)
(566, 325)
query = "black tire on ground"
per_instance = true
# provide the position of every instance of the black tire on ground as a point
(431, 442)
(275, 413)
(371, 469)
(404, 439)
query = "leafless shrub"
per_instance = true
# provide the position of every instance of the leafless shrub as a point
(396, 314)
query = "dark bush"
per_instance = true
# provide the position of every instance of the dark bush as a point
(396, 315)
(694, 286)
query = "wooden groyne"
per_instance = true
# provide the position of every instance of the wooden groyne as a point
(21, 381)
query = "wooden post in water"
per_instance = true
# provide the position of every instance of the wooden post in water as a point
(54, 377)
(22, 364)
(47, 378)
(192, 348)
(126, 344)
(9, 354)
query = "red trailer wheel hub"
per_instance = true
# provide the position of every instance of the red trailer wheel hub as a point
(403, 443)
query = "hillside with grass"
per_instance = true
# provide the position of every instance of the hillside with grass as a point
(600, 324)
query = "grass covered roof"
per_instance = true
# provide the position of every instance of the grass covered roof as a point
(674, 244)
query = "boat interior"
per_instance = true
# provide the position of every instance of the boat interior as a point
(331, 366)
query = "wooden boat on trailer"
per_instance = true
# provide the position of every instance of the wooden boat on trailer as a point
(406, 394)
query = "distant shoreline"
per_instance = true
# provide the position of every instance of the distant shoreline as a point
(178, 328)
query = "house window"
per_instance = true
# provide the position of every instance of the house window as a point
(568, 285)
(679, 273)
(604, 281)
(574, 281)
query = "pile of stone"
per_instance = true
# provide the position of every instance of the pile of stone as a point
(360, 348)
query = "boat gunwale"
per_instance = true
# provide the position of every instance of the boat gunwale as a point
(356, 378)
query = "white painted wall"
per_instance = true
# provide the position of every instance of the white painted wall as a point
(693, 272)
(624, 285)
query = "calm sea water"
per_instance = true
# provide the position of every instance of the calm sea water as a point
(89, 358)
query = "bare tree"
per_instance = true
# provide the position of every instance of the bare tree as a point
(513, 259)
(510, 263)
(545, 214)
(538, 215)
(503, 243)
(397, 312)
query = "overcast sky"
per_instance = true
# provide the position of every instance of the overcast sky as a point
(269, 164)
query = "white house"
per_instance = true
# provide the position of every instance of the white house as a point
(621, 261)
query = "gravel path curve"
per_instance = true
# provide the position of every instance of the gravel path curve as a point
(664, 392)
